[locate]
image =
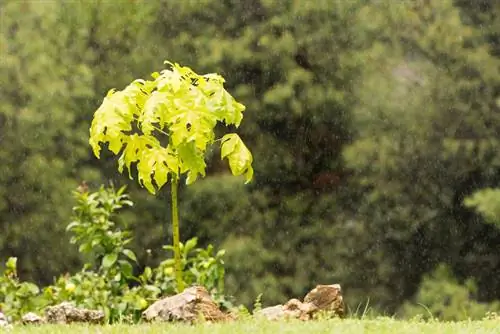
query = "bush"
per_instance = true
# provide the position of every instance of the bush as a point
(441, 296)
(107, 281)
(17, 297)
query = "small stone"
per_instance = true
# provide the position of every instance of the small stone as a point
(323, 298)
(3, 322)
(272, 312)
(296, 309)
(66, 313)
(188, 306)
(32, 319)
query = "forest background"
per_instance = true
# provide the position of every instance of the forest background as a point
(370, 123)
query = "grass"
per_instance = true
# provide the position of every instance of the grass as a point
(382, 325)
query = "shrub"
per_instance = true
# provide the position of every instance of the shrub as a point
(441, 296)
(16, 297)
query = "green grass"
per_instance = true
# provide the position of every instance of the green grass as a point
(384, 325)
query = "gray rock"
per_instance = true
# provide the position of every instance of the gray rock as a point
(323, 298)
(272, 313)
(190, 305)
(66, 313)
(4, 323)
(32, 319)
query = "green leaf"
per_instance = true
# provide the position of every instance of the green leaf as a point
(231, 111)
(31, 288)
(11, 263)
(153, 289)
(154, 165)
(126, 268)
(109, 260)
(135, 145)
(240, 158)
(72, 225)
(147, 274)
(112, 119)
(155, 111)
(190, 244)
(192, 162)
(130, 254)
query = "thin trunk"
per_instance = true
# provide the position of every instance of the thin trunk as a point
(175, 232)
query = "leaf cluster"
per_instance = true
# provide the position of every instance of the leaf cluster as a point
(179, 108)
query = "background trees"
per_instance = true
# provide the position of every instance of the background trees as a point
(370, 123)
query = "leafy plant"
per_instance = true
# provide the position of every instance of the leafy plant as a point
(257, 305)
(96, 232)
(104, 282)
(16, 297)
(164, 128)
(199, 266)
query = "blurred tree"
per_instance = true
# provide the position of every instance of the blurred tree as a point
(56, 58)
(427, 124)
(486, 202)
(293, 65)
(483, 15)
(42, 134)
(441, 296)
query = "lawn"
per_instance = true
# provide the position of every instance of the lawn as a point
(385, 325)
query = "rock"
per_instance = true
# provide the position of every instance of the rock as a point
(32, 319)
(294, 308)
(66, 313)
(272, 312)
(322, 299)
(327, 298)
(3, 322)
(190, 305)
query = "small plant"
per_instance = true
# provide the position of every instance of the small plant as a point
(257, 305)
(97, 234)
(164, 127)
(199, 266)
(16, 297)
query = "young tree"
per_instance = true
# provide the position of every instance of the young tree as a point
(165, 127)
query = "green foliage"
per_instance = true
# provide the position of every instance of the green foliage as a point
(16, 297)
(441, 296)
(486, 202)
(183, 108)
(199, 266)
(107, 281)
(95, 231)
(257, 305)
